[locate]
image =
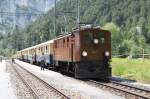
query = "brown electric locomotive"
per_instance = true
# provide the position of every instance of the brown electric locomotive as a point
(85, 52)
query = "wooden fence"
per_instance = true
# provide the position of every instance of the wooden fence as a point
(144, 56)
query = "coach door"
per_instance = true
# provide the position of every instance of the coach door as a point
(72, 48)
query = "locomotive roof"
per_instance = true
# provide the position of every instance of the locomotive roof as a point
(81, 28)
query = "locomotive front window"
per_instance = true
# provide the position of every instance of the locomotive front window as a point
(88, 36)
(101, 37)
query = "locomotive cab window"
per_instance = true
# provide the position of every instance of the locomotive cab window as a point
(88, 36)
(99, 38)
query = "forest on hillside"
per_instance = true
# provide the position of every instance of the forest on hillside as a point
(128, 20)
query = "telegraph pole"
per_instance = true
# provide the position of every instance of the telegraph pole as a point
(55, 18)
(78, 13)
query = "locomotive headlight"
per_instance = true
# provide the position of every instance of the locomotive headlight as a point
(107, 53)
(84, 53)
(96, 41)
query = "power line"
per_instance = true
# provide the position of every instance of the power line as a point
(20, 13)
(78, 13)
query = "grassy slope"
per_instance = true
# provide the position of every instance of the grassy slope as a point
(132, 69)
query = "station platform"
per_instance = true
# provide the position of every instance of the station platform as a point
(6, 90)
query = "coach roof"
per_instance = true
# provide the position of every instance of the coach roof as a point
(41, 44)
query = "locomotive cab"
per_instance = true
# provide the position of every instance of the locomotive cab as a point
(95, 54)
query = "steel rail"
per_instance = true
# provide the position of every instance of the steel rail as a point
(48, 85)
(26, 83)
(141, 89)
(122, 90)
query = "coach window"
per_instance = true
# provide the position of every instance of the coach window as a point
(41, 49)
(60, 42)
(46, 48)
(55, 44)
(63, 42)
(67, 41)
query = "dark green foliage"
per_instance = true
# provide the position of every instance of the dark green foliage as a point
(128, 20)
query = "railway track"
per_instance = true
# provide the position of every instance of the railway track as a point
(39, 88)
(128, 91)
(26, 83)
(22, 90)
(125, 90)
